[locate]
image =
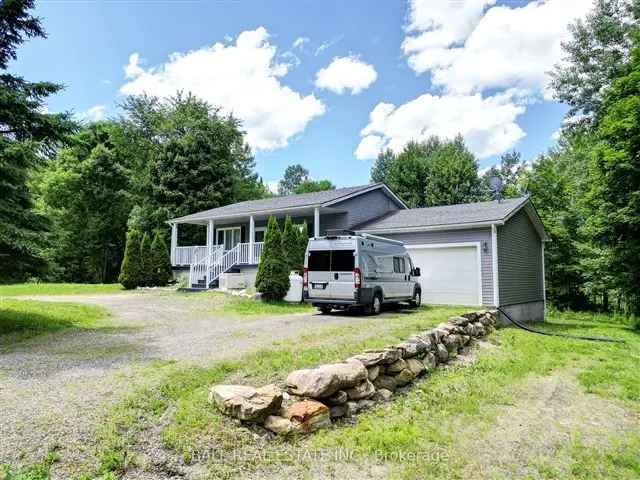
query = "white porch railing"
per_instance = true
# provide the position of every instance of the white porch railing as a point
(212, 266)
(190, 255)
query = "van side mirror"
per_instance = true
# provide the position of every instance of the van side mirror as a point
(416, 272)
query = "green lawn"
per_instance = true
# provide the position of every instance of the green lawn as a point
(16, 289)
(21, 319)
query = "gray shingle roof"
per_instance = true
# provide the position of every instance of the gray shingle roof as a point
(275, 203)
(446, 215)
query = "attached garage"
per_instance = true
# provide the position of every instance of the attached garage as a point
(486, 253)
(450, 273)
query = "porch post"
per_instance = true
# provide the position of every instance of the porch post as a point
(316, 222)
(174, 242)
(210, 229)
(252, 238)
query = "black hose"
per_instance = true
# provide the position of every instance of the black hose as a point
(564, 335)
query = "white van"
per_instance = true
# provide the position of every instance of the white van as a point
(348, 271)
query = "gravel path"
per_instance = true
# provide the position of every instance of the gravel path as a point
(54, 388)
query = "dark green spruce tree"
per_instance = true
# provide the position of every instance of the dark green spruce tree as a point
(147, 276)
(160, 261)
(131, 271)
(272, 279)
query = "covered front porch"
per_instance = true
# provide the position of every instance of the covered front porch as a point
(243, 235)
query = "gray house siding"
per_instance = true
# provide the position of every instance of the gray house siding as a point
(364, 207)
(482, 235)
(519, 261)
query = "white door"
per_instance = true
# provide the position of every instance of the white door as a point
(448, 274)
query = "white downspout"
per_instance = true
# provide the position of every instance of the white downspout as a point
(544, 282)
(210, 230)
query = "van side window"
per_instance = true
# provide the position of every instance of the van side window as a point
(319, 260)
(385, 264)
(398, 264)
(342, 260)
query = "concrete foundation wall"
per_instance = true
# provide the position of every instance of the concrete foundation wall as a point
(249, 275)
(523, 312)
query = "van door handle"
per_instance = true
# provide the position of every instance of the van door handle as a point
(335, 276)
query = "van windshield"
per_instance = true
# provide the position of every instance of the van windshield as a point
(331, 260)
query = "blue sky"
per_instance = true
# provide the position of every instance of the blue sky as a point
(324, 84)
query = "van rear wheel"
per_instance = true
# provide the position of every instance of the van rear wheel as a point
(325, 310)
(375, 307)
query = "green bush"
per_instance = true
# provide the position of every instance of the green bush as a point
(131, 268)
(146, 277)
(272, 279)
(303, 239)
(290, 245)
(160, 261)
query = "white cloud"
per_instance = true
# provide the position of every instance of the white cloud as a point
(488, 124)
(299, 42)
(242, 78)
(94, 114)
(346, 73)
(328, 44)
(473, 46)
(272, 186)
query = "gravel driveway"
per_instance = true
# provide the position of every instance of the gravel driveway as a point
(53, 388)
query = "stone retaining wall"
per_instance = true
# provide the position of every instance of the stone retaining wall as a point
(313, 397)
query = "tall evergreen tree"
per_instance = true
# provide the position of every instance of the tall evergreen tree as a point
(510, 170)
(27, 135)
(146, 260)
(380, 169)
(294, 175)
(290, 245)
(272, 279)
(131, 271)
(160, 260)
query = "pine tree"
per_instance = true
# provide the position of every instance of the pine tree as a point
(272, 279)
(147, 276)
(290, 247)
(160, 260)
(131, 270)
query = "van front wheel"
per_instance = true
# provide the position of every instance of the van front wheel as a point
(325, 310)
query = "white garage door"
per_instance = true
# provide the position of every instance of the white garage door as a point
(449, 275)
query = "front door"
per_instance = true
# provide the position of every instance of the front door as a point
(229, 237)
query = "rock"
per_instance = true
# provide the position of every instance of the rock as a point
(480, 329)
(382, 395)
(362, 390)
(442, 353)
(246, 403)
(404, 377)
(365, 403)
(386, 382)
(375, 357)
(309, 415)
(430, 362)
(415, 366)
(338, 411)
(437, 335)
(459, 321)
(413, 347)
(466, 339)
(351, 409)
(338, 398)
(453, 342)
(279, 425)
(325, 380)
(373, 372)
(397, 366)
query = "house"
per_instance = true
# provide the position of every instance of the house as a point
(485, 253)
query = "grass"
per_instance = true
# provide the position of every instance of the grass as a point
(218, 302)
(426, 425)
(17, 289)
(194, 426)
(22, 319)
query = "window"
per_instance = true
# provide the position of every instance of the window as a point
(259, 234)
(398, 265)
(385, 264)
(342, 260)
(319, 260)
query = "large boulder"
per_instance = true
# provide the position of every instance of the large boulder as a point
(373, 372)
(442, 353)
(397, 366)
(325, 380)
(414, 346)
(279, 425)
(415, 366)
(309, 415)
(430, 362)
(385, 381)
(404, 377)
(246, 403)
(383, 356)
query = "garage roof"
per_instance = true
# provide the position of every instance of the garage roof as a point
(466, 214)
